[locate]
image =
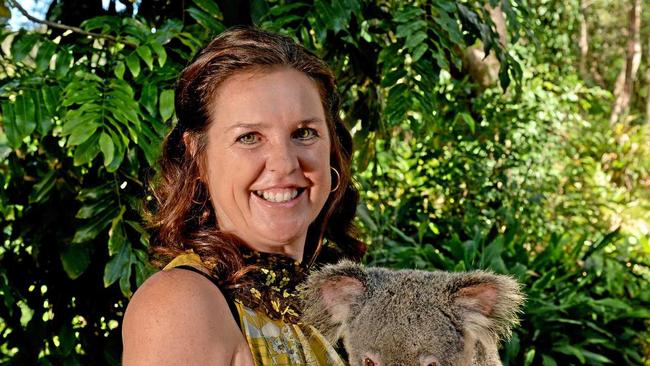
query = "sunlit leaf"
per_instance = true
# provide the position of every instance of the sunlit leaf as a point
(160, 52)
(107, 147)
(209, 21)
(119, 70)
(44, 55)
(145, 54)
(87, 151)
(133, 63)
(25, 122)
(22, 44)
(210, 7)
(166, 107)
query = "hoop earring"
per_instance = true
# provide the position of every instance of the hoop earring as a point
(338, 179)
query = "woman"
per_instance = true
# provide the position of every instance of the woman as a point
(254, 189)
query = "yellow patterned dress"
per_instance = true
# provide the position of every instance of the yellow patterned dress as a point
(273, 340)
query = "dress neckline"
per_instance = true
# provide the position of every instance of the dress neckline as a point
(269, 284)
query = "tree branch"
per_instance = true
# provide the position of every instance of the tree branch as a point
(51, 24)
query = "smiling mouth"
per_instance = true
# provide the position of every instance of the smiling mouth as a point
(284, 195)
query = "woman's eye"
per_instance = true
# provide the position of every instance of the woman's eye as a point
(305, 133)
(368, 362)
(248, 138)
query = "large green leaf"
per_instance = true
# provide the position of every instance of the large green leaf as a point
(87, 151)
(51, 97)
(42, 115)
(407, 14)
(119, 70)
(63, 63)
(150, 143)
(136, 28)
(104, 23)
(117, 235)
(332, 14)
(107, 147)
(160, 52)
(44, 55)
(449, 25)
(209, 21)
(210, 7)
(414, 40)
(90, 210)
(82, 133)
(145, 54)
(571, 350)
(75, 259)
(119, 265)
(133, 63)
(120, 142)
(398, 103)
(9, 123)
(22, 44)
(149, 98)
(166, 106)
(25, 122)
(93, 228)
(125, 278)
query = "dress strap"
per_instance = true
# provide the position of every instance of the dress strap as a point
(229, 299)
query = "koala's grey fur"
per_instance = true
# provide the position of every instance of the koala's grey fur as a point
(409, 317)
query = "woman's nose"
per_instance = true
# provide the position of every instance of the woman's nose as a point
(282, 158)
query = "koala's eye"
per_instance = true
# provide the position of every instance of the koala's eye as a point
(368, 362)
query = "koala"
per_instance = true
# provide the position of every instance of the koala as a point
(410, 317)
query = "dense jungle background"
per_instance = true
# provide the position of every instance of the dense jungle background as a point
(532, 161)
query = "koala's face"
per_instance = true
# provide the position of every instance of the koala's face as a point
(412, 318)
(410, 328)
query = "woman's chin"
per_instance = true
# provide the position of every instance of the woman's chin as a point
(280, 240)
(286, 238)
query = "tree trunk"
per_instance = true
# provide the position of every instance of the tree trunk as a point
(633, 60)
(647, 76)
(619, 84)
(485, 70)
(583, 42)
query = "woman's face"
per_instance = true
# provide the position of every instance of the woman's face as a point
(268, 158)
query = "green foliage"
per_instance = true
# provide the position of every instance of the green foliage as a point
(83, 122)
(539, 186)
(527, 179)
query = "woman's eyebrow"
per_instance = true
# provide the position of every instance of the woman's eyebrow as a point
(257, 125)
(309, 121)
(251, 125)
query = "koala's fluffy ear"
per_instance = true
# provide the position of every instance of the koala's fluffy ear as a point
(489, 303)
(330, 296)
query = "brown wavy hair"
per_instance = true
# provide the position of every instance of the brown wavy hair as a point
(181, 216)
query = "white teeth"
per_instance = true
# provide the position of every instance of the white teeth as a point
(284, 196)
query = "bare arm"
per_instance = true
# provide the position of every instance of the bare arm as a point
(179, 317)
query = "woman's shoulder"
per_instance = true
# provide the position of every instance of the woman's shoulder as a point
(179, 317)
